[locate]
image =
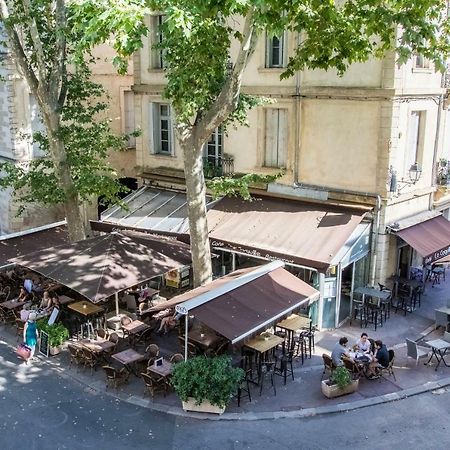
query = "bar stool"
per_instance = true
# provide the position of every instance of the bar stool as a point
(267, 370)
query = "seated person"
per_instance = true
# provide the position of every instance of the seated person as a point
(340, 350)
(46, 301)
(25, 312)
(381, 359)
(168, 323)
(54, 299)
(363, 344)
(24, 296)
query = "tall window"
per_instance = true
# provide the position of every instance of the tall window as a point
(162, 129)
(36, 126)
(275, 51)
(414, 140)
(213, 149)
(420, 62)
(157, 38)
(128, 117)
(276, 134)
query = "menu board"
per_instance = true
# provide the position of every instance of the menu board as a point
(43, 344)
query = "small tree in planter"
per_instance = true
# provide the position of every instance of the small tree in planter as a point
(340, 383)
(57, 334)
(206, 384)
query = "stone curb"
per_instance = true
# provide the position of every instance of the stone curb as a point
(96, 388)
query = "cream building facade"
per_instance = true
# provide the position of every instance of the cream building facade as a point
(341, 140)
(19, 118)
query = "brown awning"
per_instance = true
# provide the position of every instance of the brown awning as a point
(431, 239)
(303, 233)
(17, 244)
(99, 267)
(248, 301)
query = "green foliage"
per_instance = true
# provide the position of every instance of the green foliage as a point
(341, 376)
(204, 378)
(238, 185)
(87, 140)
(57, 333)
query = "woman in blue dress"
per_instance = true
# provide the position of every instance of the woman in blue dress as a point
(30, 334)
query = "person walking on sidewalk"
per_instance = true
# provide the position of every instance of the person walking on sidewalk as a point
(30, 334)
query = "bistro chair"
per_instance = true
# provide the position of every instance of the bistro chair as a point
(220, 350)
(102, 334)
(90, 358)
(152, 351)
(415, 351)
(357, 370)
(115, 377)
(267, 370)
(244, 386)
(76, 356)
(176, 357)
(328, 364)
(375, 312)
(154, 384)
(285, 366)
(441, 319)
(389, 370)
(359, 311)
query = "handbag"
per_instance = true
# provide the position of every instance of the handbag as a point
(23, 351)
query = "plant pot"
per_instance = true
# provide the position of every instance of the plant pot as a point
(331, 391)
(54, 350)
(204, 406)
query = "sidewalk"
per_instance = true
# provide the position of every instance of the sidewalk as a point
(302, 396)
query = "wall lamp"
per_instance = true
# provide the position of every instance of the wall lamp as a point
(414, 174)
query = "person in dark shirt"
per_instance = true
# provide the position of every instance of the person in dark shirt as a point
(380, 360)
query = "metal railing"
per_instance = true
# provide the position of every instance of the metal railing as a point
(217, 167)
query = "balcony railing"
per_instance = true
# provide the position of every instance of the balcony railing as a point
(217, 167)
(443, 172)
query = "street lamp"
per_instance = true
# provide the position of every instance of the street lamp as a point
(414, 173)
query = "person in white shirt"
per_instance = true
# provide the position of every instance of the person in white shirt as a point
(363, 343)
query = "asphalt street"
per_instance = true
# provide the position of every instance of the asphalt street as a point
(40, 409)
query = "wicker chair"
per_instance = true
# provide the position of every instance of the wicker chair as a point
(176, 357)
(102, 333)
(115, 377)
(328, 364)
(154, 384)
(355, 369)
(19, 328)
(152, 351)
(90, 358)
(76, 356)
(389, 370)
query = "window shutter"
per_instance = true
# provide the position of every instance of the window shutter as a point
(129, 126)
(282, 138)
(36, 126)
(412, 143)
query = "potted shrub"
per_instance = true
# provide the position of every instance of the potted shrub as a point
(206, 384)
(57, 335)
(340, 383)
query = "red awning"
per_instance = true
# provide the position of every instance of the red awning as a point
(431, 239)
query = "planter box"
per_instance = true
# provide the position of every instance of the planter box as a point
(205, 406)
(54, 350)
(335, 391)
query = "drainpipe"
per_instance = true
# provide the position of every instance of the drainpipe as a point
(297, 119)
(436, 147)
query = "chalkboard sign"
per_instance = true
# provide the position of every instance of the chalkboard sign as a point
(43, 345)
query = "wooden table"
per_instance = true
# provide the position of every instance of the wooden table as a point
(204, 338)
(12, 304)
(85, 308)
(133, 330)
(261, 345)
(165, 369)
(128, 358)
(98, 346)
(293, 323)
(264, 342)
(135, 327)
